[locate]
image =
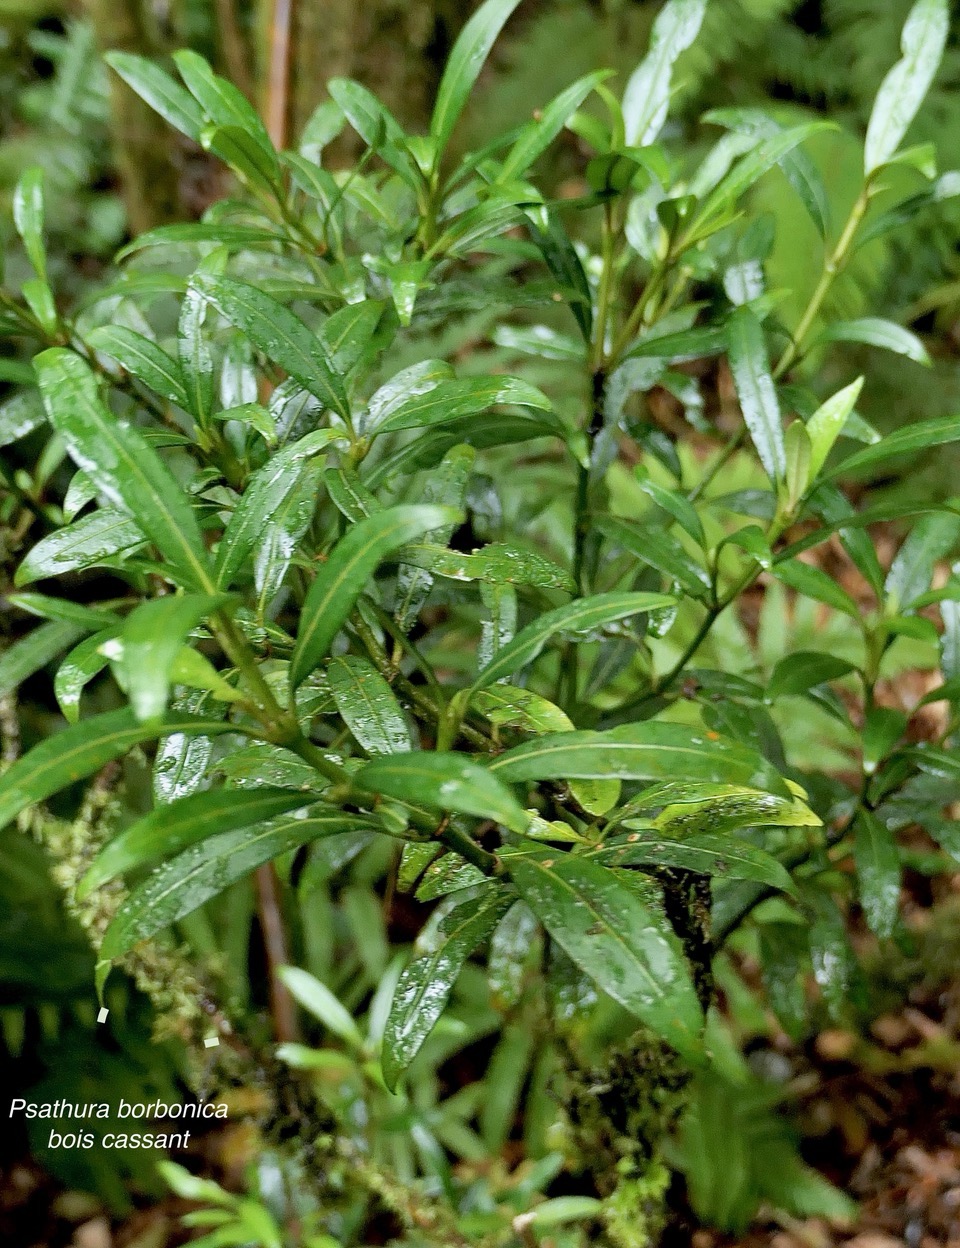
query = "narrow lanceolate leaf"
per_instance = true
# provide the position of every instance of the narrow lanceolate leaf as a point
(28, 213)
(646, 751)
(647, 97)
(463, 67)
(658, 548)
(908, 440)
(604, 927)
(77, 670)
(263, 498)
(151, 638)
(36, 650)
(686, 808)
(89, 541)
(203, 871)
(875, 331)
(222, 102)
(322, 1004)
(802, 670)
(279, 334)
(349, 567)
(827, 422)
(454, 931)
(20, 415)
(125, 468)
(933, 538)
(878, 873)
(142, 359)
(498, 564)
(756, 391)
(707, 853)
(465, 396)
(171, 828)
(80, 750)
(577, 617)
(368, 706)
(161, 92)
(444, 782)
(537, 135)
(903, 89)
(194, 356)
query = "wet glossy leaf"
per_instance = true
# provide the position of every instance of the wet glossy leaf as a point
(706, 853)
(76, 671)
(344, 576)
(279, 334)
(82, 749)
(368, 706)
(377, 126)
(453, 932)
(756, 391)
(127, 471)
(685, 808)
(174, 826)
(537, 135)
(203, 871)
(463, 67)
(222, 102)
(28, 216)
(20, 415)
(498, 563)
(151, 638)
(902, 91)
(466, 396)
(908, 440)
(444, 781)
(263, 498)
(933, 538)
(95, 539)
(647, 95)
(578, 617)
(827, 423)
(645, 751)
(655, 546)
(803, 670)
(606, 929)
(143, 359)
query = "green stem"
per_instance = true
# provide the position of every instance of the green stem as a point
(833, 266)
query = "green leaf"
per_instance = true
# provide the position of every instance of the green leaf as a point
(149, 643)
(317, 998)
(707, 853)
(263, 498)
(444, 782)
(577, 617)
(645, 751)
(877, 332)
(467, 396)
(77, 670)
(344, 576)
(756, 391)
(174, 826)
(125, 468)
(95, 539)
(827, 422)
(902, 91)
(803, 670)
(878, 873)
(20, 415)
(203, 871)
(28, 212)
(82, 749)
(377, 126)
(536, 136)
(255, 168)
(160, 91)
(368, 706)
(348, 334)
(498, 563)
(35, 651)
(686, 808)
(455, 929)
(604, 927)
(223, 103)
(933, 538)
(279, 334)
(682, 346)
(647, 95)
(656, 547)
(463, 67)
(813, 582)
(908, 440)
(143, 359)
(238, 236)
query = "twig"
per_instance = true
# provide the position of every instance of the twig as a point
(278, 72)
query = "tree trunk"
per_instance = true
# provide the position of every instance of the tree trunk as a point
(142, 141)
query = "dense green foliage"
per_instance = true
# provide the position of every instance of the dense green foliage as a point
(470, 624)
